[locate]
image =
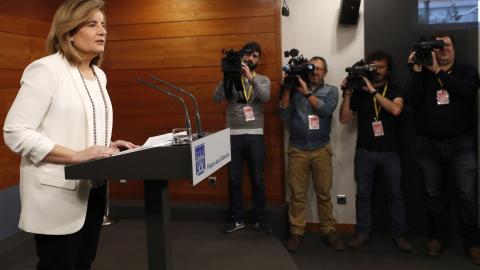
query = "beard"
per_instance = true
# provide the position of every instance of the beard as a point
(251, 66)
(378, 78)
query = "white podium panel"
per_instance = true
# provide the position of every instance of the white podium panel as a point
(210, 154)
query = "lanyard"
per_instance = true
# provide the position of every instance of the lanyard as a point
(377, 109)
(244, 90)
(441, 84)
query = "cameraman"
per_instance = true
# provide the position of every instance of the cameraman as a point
(444, 97)
(245, 120)
(378, 104)
(310, 109)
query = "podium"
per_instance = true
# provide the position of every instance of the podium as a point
(194, 161)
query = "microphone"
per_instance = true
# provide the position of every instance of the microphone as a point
(187, 120)
(197, 115)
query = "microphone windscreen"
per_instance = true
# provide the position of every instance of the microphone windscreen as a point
(286, 68)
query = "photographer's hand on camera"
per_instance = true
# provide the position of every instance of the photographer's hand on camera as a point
(434, 67)
(411, 61)
(345, 112)
(303, 88)
(286, 92)
(346, 92)
(245, 71)
(368, 86)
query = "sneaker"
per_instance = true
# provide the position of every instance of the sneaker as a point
(474, 254)
(358, 240)
(233, 225)
(434, 248)
(402, 242)
(263, 227)
(334, 241)
(293, 242)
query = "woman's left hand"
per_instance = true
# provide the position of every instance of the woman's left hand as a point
(122, 145)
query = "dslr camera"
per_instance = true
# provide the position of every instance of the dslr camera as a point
(297, 65)
(232, 62)
(423, 50)
(356, 73)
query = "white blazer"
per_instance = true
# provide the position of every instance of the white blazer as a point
(52, 108)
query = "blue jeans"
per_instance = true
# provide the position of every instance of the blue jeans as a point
(366, 163)
(249, 148)
(457, 156)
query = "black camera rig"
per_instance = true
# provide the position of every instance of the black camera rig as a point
(232, 62)
(297, 65)
(356, 73)
(231, 66)
(423, 49)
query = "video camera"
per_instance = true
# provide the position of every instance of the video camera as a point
(356, 73)
(297, 65)
(423, 49)
(232, 62)
(231, 66)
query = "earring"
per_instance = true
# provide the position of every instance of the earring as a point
(71, 39)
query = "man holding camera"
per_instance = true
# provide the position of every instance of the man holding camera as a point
(443, 93)
(378, 104)
(245, 120)
(309, 109)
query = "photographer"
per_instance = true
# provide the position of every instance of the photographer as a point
(378, 104)
(443, 94)
(245, 120)
(309, 109)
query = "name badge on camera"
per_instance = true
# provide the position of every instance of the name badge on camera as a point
(248, 112)
(442, 97)
(377, 128)
(313, 122)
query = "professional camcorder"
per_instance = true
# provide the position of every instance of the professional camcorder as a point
(297, 65)
(232, 62)
(423, 50)
(356, 73)
(231, 66)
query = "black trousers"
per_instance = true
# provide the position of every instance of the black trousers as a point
(75, 251)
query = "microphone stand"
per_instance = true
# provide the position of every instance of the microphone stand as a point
(197, 115)
(187, 120)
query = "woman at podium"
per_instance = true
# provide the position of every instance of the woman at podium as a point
(62, 115)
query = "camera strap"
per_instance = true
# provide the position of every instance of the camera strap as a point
(250, 90)
(379, 107)
(441, 84)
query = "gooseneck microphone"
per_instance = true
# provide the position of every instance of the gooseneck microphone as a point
(187, 120)
(197, 115)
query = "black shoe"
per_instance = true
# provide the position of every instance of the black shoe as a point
(233, 225)
(262, 227)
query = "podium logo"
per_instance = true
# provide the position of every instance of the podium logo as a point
(200, 159)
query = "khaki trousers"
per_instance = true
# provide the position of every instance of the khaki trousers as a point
(300, 164)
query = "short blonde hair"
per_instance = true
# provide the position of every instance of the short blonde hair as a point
(70, 15)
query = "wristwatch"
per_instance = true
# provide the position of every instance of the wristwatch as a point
(373, 93)
(310, 93)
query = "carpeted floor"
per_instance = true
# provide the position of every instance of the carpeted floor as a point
(196, 245)
(379, 253)
(201, 245)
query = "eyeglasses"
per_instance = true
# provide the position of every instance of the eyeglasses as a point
(319, 69)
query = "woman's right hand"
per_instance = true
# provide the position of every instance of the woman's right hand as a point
(94, 152)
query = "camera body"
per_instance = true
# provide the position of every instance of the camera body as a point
(232, 62)
(423, 50)
(356, 73)
(297, 65)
